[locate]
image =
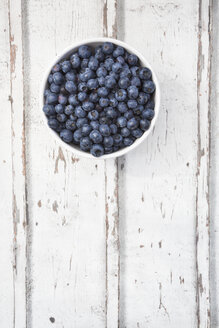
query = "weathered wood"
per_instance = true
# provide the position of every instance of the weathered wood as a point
(112, 202)
(214, 164)
(66, 194)
(6, 231)
(203, 161)
(18, 162)
(158, 180)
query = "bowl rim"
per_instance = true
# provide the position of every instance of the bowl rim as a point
(143, 61)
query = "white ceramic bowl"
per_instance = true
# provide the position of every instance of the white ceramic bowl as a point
(95, 42)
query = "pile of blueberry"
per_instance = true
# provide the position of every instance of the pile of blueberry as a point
(100, 99)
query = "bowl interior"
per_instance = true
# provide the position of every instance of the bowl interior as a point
(143, 62)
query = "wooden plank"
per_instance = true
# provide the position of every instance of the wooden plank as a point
(18, 162)
(203, 161)
(214, 173)
(6, 232)
(111, 201)
(66, 194)
(158, 180)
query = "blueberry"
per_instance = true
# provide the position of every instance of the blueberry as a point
(121, 121)
(47, 92)
(150, 104)
(70, 125)
(132, 124)
(129, 114)
(69, 109)
(92, 84)
(138, 110)
(110, 82)
(134, 70)
(86, 129)
(84, 51)
(77, 135)
(93, 63)
(58, 78)
(66, 66)
(85, 143)
(53, 124)
(70, 86)
(104, 130)
(56, 68)
(113, 101)
(107, 48)
(52, 98)
(101, 81)
(132, 59)
(62, 99)
(99, 55)
(96, 136)
(148, 114)
(132, 92)
(119, 51)
(128, 141)
(63, 90)
(144, 124)
(132, 103)
(54, 88)
(136, 81)
(79, 112)
(108, 150)
(116, 67)
(80, 122)
(110, 112)
(84, 63)
(117, 138)
(61, 118)
(108, 64)
(104, 102)
(113, 128)
(143, 98)
(75, 60)
(120, 60)
(86, 75)
(73, 100)
(87, 106)
(121, 95)
(73, 117)
(122, 107)
(93, 97)
(124, 82)
(93, 115)
(137, 133)
(59, 109)
(125, 132)
(102, 92)
(82, 86)
(108, 141)
(97, 150)
(98, 108)
(148, 86)
(114, 75)
(104, 120)
(49, 110)
(94, 125)
(82, 96)
(144, 73)
(70, 76)
(66, 135)
(50, 78)
(101, 71)
(126, 73)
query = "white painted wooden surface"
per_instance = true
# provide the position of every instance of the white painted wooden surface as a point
(131, 242)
